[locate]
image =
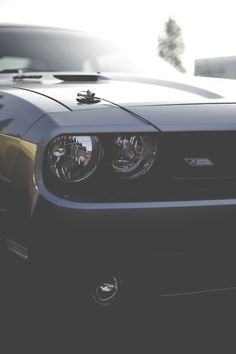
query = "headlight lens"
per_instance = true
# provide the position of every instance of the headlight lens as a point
(73, 158)
(133, 155)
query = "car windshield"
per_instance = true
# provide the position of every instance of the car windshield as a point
(37, 49)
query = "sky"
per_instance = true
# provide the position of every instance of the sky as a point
(208, 27)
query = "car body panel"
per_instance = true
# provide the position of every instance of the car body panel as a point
(186, 118)
(35, 110)
(19, 109)
(182, 108)
(102, 120)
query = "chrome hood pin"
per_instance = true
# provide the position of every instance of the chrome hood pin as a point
(87, 97)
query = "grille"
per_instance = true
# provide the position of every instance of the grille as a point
(218, 148)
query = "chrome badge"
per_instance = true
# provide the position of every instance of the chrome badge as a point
(198, 162)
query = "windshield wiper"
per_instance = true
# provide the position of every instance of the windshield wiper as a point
(26, 77)
(65, 76)
(22, 73)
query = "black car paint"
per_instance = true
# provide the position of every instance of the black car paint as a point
(28, 111)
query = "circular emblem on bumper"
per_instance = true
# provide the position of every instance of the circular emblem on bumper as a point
(107, 292)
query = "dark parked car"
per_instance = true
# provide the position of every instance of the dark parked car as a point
(123, 177)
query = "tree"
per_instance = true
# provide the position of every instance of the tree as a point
(171, 45)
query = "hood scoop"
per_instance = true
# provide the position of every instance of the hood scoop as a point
(73, 77)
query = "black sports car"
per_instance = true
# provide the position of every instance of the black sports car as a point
(126, 177)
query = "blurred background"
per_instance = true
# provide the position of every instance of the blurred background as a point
(196, 37)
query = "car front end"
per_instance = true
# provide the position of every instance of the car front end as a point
(127, 182)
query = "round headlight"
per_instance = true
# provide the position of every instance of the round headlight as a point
(73, 158)
(133, 155)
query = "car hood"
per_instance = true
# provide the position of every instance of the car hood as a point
(131, 91)
(196, 104)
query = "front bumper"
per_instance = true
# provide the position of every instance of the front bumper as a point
(179, 247)
(174, 247)
(140, 214)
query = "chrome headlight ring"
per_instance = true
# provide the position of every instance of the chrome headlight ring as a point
(133, 155)
(73, 158)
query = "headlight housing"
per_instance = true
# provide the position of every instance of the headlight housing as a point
(133, 155)
(73, 158)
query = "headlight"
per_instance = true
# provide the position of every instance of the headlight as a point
(133, 155)
(73, 158)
